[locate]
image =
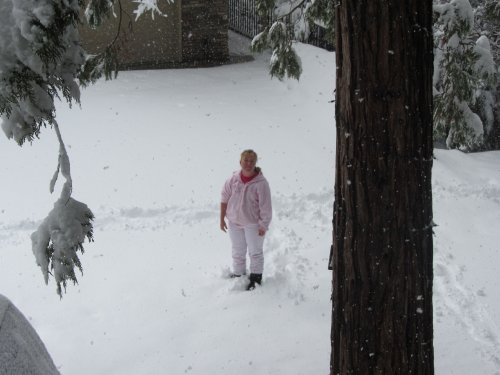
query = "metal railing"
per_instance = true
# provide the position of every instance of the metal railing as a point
(243, 17)
(244, 20)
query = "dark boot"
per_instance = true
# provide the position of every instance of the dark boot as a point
(255, 278)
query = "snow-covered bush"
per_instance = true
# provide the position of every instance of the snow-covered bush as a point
(487, 23)
(464, 73)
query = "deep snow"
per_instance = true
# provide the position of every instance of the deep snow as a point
(150, 152)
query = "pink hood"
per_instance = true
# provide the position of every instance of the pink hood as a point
(248, 203)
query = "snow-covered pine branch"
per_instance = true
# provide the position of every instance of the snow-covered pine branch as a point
(291, 20)
(61, 234)
(487, 23)
(284, 59)
(40, 57)
(464, 72)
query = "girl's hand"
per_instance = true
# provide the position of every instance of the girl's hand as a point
(262, 232)
(223, 225)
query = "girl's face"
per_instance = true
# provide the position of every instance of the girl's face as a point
(247, 163)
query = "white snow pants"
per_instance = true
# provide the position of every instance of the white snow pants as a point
(243, 238)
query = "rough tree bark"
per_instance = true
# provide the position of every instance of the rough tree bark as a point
(382, 237)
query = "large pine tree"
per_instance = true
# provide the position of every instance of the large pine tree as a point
(382, 240)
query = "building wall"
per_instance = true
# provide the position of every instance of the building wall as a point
(194, 33)
(205, 31)
(145, 43)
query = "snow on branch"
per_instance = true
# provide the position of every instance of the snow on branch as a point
(284, 8)
(97, 11)
(484, 65)
(455, 14)
(286, 22)
(61, 234)
(279, 38)
(40, 57)
(464, 79)
(144, 6)
(58, 239)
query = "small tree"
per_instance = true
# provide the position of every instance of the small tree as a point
(464, 73)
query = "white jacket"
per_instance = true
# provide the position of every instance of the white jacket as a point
(248, 203)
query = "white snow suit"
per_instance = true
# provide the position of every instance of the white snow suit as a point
(248, 210)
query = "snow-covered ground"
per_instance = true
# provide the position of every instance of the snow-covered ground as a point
(150, 152)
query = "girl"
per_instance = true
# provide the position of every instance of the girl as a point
(246, 202)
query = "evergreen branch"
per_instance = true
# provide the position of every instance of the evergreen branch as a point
(300, 5)
(280, 35)
(97, 11)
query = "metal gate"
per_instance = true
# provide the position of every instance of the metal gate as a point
(243, 18)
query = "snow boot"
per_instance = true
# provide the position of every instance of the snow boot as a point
(233, 275)
(255, 278)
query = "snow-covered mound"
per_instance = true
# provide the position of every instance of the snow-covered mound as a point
(21, 350)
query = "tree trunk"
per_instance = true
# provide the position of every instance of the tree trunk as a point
(382, 237)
